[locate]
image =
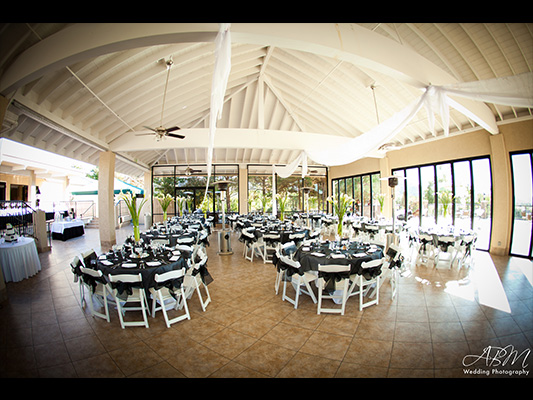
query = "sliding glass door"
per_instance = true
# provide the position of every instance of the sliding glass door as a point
(522, 232)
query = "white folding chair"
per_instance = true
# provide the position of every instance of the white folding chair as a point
(138, 296)
(186, 240)
(446, 245)
(340, 288)
(75, 266)
(299, 282)
(165, 242)
(164, 296)
(297, 237)
(426, 250)
(98, 290)
(361, 285)
(271, 241)
(193, 281)
(250, 243)
(392, 257)
(279, 271)
(466, 246)
(87, 257)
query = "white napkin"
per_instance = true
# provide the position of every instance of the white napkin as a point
(338, 255)
(318, 254)
(105, 262)
(129, 265)
(153, 263)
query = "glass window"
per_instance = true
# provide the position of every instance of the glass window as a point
(349, 191)
(463, 194)
(413, 196)
(521, 237)
(357, 195)
(444, 194)
(376, 193)
(427, 185)
(399, 196)
(482, 188)
(259, 193)
(189, 182)
(448, 196)
(366, 196)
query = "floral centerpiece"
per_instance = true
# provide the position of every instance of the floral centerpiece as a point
(164, 202)
(445, 198)
(283, 199)
(180, 201)
(135, 210)
(340, 206)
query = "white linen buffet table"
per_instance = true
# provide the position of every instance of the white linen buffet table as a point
(64, 230)
(19, 260)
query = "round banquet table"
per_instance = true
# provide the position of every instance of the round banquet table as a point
(19, 260)
(148, 265)
(354, 254)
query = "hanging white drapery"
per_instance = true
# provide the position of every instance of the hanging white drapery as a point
(289, 169)
(218, 89)
(514, 91)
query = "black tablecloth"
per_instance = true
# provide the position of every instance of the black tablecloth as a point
(69, 233)
(354, 255)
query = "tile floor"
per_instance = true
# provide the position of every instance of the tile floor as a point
(439, 317)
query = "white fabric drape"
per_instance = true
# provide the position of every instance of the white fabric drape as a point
(218, 88)
(289, 169)
(514, 91)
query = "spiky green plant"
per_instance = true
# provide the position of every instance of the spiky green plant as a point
(340, 207)
(165, 202)
(283, 199)
(135, 211)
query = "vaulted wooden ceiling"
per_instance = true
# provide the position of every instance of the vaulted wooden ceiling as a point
(80, 89)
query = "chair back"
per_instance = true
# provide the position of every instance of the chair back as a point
(290, 262)
(91, 272)
(372, 263)
(333, 268)
(170, 275)
(125, 278)
(88, 256)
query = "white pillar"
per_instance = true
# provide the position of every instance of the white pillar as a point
(106, 204)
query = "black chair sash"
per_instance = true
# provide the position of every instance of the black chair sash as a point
(331, 277)
(92, 281)
(172, 285)
(125, 289)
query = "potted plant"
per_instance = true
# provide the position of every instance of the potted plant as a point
(381, 200)
(340, 206)
(445, 198)
(165, 201)
(135, 210)
(283, 199)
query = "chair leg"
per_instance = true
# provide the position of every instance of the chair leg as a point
(279, 276)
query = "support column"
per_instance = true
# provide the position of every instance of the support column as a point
(501, 196)
(147, 208)
(106, 203)
(243, 189)
(384, 170)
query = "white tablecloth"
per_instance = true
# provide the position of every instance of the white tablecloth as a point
(60, 226)
(19, 260)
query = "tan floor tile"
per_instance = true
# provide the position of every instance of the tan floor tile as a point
(265, 358)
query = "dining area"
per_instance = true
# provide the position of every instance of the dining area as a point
(144, 276)
(246, 331)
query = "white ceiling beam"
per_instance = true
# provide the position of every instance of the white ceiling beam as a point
(348, 42)
(227, 138)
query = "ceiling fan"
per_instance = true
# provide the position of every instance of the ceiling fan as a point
(189, 171)
(160, 131)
